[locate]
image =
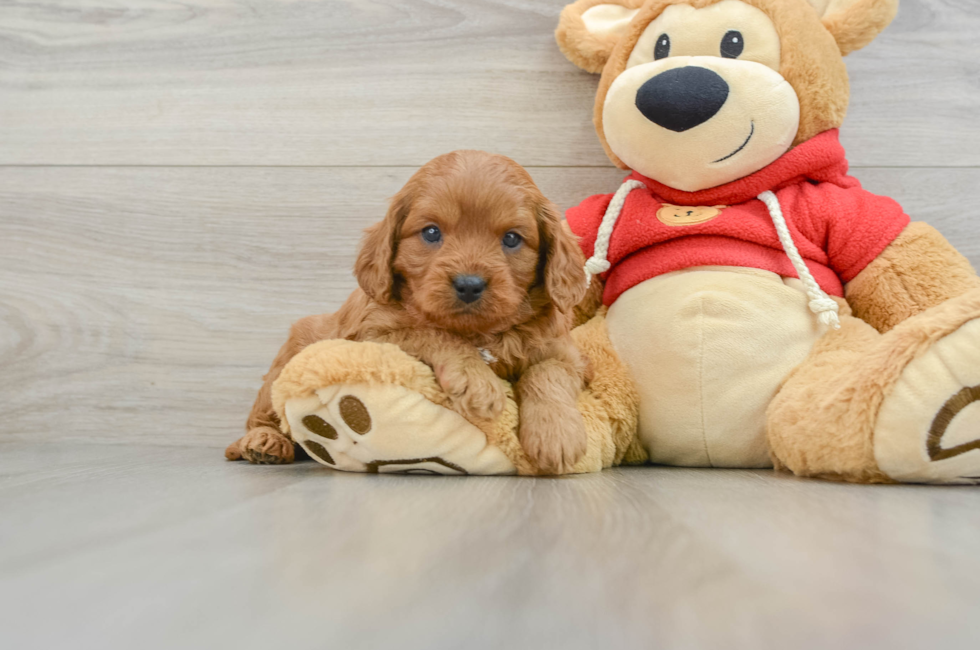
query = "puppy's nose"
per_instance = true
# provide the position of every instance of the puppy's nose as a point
(469, 288)
(682, 98)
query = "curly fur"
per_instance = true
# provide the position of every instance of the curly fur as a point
(523, 319)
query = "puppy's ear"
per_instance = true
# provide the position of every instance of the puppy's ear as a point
(588, 30)
(562, 259)
(373, 267)
(855, 23)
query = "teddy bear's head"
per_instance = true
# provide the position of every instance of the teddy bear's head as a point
(698, 93)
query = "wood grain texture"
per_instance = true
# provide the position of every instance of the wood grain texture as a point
(126, 547)
(144, 304)
(386, 82)
(180, 180)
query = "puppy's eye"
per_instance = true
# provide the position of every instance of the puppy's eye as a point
(732, 45)
(431, 234)
(662, 49)
(512, 240)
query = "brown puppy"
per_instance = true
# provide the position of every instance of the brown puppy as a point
(473, 272)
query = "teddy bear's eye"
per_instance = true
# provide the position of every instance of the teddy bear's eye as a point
(732, 45)
(662, 49)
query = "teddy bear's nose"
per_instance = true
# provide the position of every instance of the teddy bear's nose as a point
(682, 98)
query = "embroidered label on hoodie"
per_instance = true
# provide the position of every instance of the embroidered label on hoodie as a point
(680, 215)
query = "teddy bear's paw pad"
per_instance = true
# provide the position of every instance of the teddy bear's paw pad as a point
(390, 429)
(928, 428)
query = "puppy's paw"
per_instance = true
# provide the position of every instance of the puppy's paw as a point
(553, 435)
(263, 446)
(474, 389)
(233, 451)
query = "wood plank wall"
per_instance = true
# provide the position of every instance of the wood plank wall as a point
(181, 180)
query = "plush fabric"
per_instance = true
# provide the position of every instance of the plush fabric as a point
(838, 227)
(892, 397)
(814, 35)
(360, 428)
(855, 23)
(937, 393)
(827, 420)
(919, 270)
(759, 107)
(692, 33)
(369, 407)
(587, 49)
(708, 348)
(810, 61)
(345, 363)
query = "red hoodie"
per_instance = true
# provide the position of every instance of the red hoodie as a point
(838, 227)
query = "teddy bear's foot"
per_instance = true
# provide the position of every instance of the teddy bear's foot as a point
(369, 407)
(928, 428)
(877, 408)
(390, 429)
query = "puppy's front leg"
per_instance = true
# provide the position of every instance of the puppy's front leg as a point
(551, 429)
(474, 388)
(264, 443)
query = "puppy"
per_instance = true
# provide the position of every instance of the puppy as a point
(473, 272)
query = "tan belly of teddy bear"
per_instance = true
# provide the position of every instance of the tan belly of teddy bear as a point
(708, 348)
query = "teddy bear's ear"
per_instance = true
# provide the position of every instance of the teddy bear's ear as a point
(588, 30)
(855, 23)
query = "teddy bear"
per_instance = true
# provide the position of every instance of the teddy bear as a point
(758, 307)
(774, 312)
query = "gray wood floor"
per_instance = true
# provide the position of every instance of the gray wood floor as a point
(181, 180)
(143, 547)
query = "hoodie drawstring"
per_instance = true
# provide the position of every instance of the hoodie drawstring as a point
(825, 307)
(821, 304)
(598, 263)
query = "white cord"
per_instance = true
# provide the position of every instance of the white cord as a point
(598, 263)
(821, 304)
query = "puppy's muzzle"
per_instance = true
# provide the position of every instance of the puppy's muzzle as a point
(469, 288)
(682, 98)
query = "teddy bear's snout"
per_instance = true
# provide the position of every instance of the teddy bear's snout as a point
(682, 98)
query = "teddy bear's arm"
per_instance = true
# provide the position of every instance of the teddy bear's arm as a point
(919, 270)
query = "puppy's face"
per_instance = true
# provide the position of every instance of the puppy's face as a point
(473, 247)
(468, 253)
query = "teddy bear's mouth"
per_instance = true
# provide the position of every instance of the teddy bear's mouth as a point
(744, 144)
